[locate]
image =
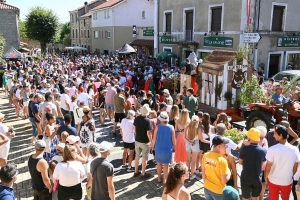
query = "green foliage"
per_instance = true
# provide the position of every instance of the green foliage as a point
(251, 92)
(228, 96)
(237, 104)
(235, 135)
(218, 90)
(2, 45)
(22, 29)
(41, 24)
(242, 52)
(67, 40)
(65, 31)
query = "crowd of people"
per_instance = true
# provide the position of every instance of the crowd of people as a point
(59, 94)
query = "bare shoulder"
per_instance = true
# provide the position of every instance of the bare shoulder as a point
(184, 194)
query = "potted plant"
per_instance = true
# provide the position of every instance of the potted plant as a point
(235, 135)
(218, 90)
(251, 92)
(228, 97)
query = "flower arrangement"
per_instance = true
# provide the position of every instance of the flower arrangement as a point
(235, 135)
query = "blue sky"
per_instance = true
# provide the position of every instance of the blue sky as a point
(60, 7)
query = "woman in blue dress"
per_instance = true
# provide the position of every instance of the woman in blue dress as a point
(50, 137)
(163, 144)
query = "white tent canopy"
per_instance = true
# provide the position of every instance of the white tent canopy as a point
(76, 48)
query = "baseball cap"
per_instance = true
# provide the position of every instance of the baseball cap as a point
(104, 146)
(229, 193)
(40, 145)
(219, 140)
(72, 139)
(253, 134)
(195, 118)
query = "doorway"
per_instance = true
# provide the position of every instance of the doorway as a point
(187, 53)
(274, 64)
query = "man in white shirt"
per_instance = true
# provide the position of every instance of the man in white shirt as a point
(220, 130)
(127, 133)
(282, 164)
(65, 102)
(83, 97)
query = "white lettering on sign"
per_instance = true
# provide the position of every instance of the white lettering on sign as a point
(238, 67)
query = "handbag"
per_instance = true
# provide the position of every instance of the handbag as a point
(55, 186)
(47, 140)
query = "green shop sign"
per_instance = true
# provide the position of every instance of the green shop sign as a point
(288, 41)
(167, 39)
(225, 42)
(148, 32)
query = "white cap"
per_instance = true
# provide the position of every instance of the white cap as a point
(195, 118)
(104, 146)
(166, 91)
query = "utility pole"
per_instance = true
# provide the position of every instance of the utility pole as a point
(156, 27)
(256, 30)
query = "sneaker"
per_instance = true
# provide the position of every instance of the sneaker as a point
(136, 174)
(124, 166)
(197, 172)
(192, 177)
(130, 169)
(145, 176)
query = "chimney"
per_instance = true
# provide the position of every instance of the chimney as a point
(86, 8)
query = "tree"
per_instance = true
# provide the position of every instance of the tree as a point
(41, 24)
(67, 40)
(22, 29)
(65, 31)
(2, 46)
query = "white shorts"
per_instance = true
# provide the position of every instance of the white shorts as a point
(4, 150)
(25, 103)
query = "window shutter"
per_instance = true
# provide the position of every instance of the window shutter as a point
(277, 21)
(216, 18)
(168, 22)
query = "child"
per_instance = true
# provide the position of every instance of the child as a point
(153, 119)
(64, 136)
(52, 165)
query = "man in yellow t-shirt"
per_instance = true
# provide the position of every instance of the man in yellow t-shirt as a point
(215, 171)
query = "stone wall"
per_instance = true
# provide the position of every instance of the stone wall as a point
(9, 27)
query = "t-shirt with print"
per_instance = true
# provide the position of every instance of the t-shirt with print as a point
(142, 125)
(215, 166)
(283, 158)
(253, 156)
(100, 170)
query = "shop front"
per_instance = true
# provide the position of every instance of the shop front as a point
(144, 44)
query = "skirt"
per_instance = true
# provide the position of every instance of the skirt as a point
(73, 192)
(180, 149)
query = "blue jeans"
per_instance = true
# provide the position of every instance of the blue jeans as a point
(34, 126)
(209, 195)
(60, 121)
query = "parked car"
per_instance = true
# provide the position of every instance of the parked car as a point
(292, 76)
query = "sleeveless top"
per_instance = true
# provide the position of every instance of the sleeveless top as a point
(36, 176)
(172, 198)
(204, 135)
(131, 99)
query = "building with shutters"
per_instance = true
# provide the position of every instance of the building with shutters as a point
(117, 22)
(9, 25)
(202, 26)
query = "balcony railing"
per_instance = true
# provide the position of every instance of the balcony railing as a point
(188, 35)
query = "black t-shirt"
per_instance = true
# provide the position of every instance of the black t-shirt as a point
(142, 125)
(100, 170)
(29, 109)
(102, 100)
(253, 156)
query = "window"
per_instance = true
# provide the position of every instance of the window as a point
(76, 33)
(107, 34)
(72, 18)
(88, 33)
(278, 18)
(106, 14)
(81, 34)
(73, 33)
(168, 22)
(84, 33)
(96, 34)
(143, 14)
(95, 16)
(84, 22)
(216, 18)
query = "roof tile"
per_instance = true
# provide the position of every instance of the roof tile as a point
(107, 4)
(5, 6)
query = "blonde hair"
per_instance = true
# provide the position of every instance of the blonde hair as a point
(174, 113)
(193, 130)
(69, 153)
(153, 112)
(184, 117)
(64, 136)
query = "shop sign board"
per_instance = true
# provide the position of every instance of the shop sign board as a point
(148, 32)
(167, 39)
(291, 41)
(212, 41)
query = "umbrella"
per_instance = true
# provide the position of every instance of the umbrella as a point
(166, 54)
(127, 49)
(12, 53)
(76, 48)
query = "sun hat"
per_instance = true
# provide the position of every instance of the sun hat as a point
(86, 109)
(145, 109)
(229, 193)
(166, 91)
(104, 146)
(72, 139)
(253, 134)
(163, 117)
(40, 145)
(2, 115)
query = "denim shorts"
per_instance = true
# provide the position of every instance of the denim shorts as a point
(110, 106)
(209, 195)
(193, 148)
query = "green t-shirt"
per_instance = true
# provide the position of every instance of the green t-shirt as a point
(190, 103)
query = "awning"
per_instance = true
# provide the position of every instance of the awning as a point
(141, 42)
